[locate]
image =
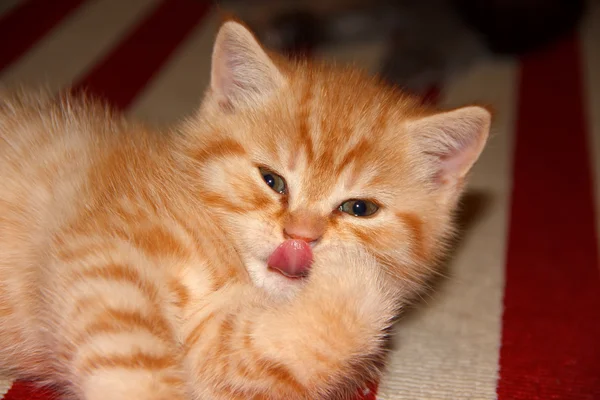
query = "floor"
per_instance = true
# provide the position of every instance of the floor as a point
(519, 315)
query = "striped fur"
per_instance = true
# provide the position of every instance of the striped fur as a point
(133, 262)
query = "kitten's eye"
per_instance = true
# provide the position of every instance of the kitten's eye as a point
(275, 182)
(359, 208)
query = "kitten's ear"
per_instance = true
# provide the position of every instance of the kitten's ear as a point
(452, 142)
(242, 72)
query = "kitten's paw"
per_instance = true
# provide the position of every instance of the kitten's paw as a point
(126, 384)
(347, 266)
(351, 279)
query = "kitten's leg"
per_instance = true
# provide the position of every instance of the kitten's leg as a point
(324, 343)
(115, 340)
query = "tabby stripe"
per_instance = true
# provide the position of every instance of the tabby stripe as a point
(27, 23)
(135, 360)
(218, 149)
(181, 293)
(191, 232)
(223, 351)
(85, 304)
(218, 360)
(119, 321)
(367, 236)
(244, 368)
(358, 150)
(194, 336)
(157, 242)
(417, 239)
(329, 141)
(304, 118)
(216, 200)
(118, 272)
(127, 69)
(79, 253)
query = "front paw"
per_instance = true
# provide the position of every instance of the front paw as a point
(133, 384)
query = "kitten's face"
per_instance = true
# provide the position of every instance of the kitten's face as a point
(328, 157)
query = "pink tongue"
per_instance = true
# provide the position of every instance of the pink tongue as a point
(292, 258)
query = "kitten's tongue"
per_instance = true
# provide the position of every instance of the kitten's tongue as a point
(292, 258)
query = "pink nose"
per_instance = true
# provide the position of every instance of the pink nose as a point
(306, 237)
(292, 258)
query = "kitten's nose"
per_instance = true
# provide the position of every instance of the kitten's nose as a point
(304, 226)
(300, 236)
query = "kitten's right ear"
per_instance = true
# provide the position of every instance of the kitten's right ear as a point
(451, 142)
(242, 72)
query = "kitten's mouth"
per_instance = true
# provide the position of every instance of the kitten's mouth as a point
(292, 259)
(288, 276)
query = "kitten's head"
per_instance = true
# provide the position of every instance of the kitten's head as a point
(326, 156)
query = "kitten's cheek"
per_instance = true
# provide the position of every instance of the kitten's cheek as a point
(293, 258)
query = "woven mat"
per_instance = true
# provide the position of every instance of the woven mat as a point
(517, 317)
(5, 384)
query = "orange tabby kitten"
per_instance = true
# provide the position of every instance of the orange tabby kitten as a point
(260, 250)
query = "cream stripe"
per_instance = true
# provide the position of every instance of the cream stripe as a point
(449, 348)
(590, 45)
(5, 384)
(178, 88)
(77, 43)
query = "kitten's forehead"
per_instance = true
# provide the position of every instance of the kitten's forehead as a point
(345, 128)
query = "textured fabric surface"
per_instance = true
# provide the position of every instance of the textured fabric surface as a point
(28, 391)
(5, 384)
(518, 314)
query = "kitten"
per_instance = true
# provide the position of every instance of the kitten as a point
(258, 250)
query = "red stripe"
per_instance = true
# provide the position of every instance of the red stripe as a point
(131, 65)
(551, 323)
(368, 393)
(27, 23)
(28, 391)
(23, 390)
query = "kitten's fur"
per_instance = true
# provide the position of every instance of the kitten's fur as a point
(133, 262)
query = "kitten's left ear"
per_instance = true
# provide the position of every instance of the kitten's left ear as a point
(451, 142)
(242, 72)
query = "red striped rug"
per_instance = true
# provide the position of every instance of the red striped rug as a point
(551, 324)
(547, 322)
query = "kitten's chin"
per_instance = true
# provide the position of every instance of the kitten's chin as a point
(273, 282)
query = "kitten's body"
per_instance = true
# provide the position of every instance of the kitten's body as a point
(133, 262)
